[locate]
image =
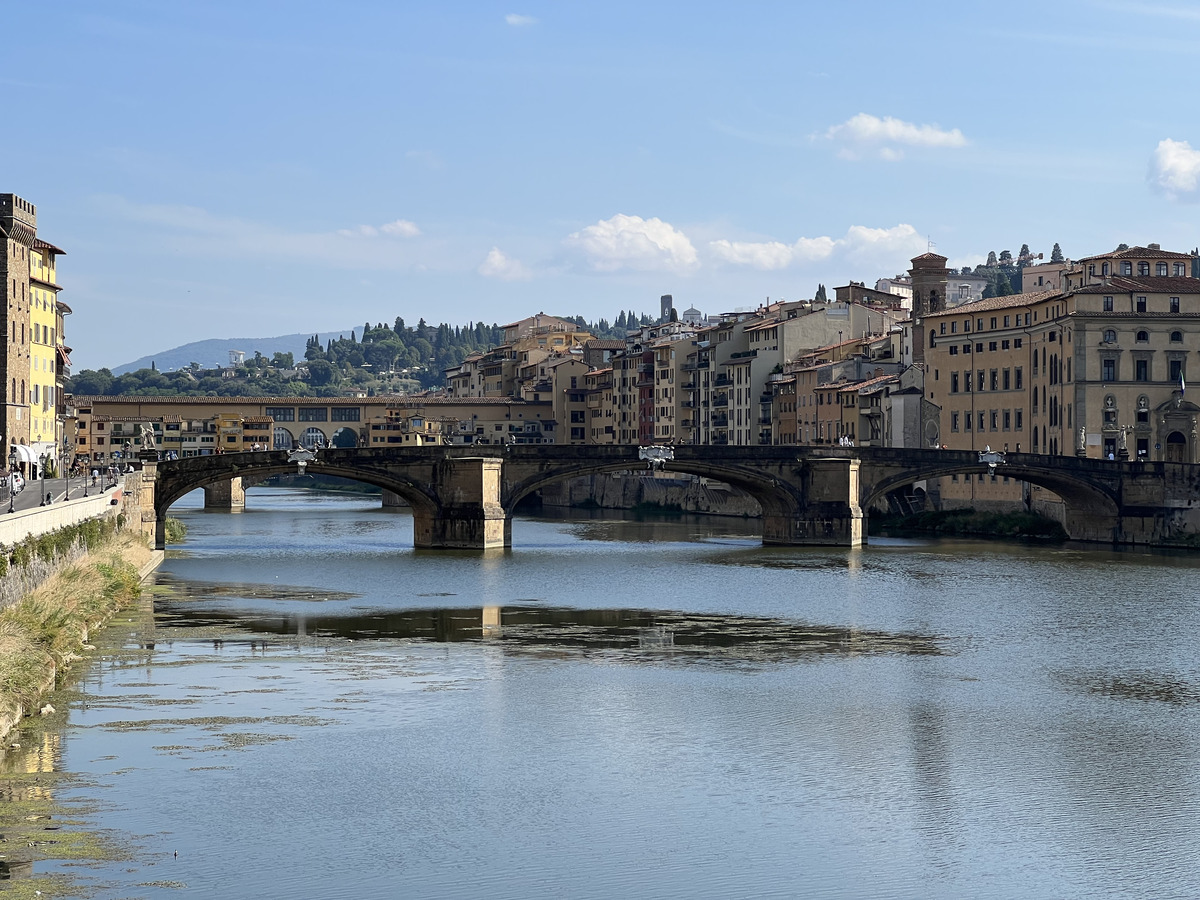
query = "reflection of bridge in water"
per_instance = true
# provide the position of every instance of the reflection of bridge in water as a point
(464, 497)
(533, 629)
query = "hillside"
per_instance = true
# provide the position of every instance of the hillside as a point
(214, 353)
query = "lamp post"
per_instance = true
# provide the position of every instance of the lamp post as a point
(66, 468)
(42, 461)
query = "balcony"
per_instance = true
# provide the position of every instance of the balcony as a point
(722, 381)
(720, 402)
(719, 422)
(764, 420)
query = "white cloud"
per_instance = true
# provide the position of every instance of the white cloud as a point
(1175, 170)
(631, 242)
(497, 265)
(860, 244)
(400, 228)
(518, 21)
(865, 133)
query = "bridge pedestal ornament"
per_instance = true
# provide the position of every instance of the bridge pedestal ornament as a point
(469, 515)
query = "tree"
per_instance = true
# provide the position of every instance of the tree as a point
(1023, 256)
(1056, 255)
(1006, 257)
(821, 296)
(1004, 287)
(320, 372)
(283, 360)
(991, 260)
(1122, 246)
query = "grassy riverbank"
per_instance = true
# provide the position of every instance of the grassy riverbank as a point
(969, 523)
(42, 634)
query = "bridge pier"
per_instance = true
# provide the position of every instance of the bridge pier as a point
(469, 515)
(830, 516)
(229, 495)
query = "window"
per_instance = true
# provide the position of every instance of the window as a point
(1007, 380)
(954, 328)
(992, 346)
(966, 348)
(980, 380)
(981, 429)
(1143, 268)
(1108, 369)
(1108, 304)
(967, 421)
(1126, 268)
(576, 415)
(1140, 304)
(1174, 304)
(1007, 420)
(954, 421)
(1018, 343)
(1020, 419)
(1104, 269)
(1004, 345)
(993, 380)
(1142, 337)
(979, 348)
(1141, 370)
(1110, 336)
(954, 382)
(1006, 321)
(1017, 379)
(1175, 370)
(1176, 337)
(314, 414)
(993, 322)
(967, 381)
(994, 419)
(1178, 268)
(1160, 269)
(344, 414)
(954, 349)
(979, 324)
(281, 414)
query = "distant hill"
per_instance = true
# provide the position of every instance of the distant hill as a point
(213, 353)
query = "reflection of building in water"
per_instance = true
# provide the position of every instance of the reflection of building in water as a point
(42, 757)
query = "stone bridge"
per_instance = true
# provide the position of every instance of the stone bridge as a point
(464, 497)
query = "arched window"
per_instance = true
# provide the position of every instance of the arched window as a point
(345, 438)
(1143, 268)
(931, 339)
(1110, 336)
(1143, 337)
(1176, 337)
(313, 438)
(1104, 269)
(1143, 409)
(282, 438)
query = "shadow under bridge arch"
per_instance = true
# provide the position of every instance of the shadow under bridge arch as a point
(777, 493)
(177, 478)
(1091, 506)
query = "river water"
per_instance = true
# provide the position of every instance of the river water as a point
(307, 707)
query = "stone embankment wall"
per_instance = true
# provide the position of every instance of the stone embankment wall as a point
(627, 490)
(124, 502)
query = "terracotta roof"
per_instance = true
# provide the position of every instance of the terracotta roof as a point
(992, 303)
(39, 244)
(597, 344)
(930, 257)
(770, 323)
(1139, 253)
(1150, 284)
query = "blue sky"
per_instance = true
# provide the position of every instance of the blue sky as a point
(220, 169)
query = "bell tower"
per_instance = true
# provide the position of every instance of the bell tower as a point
(930, 278)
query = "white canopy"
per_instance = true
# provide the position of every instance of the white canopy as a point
(24, 453)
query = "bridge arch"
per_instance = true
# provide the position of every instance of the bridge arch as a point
(1092, 509)
(178, 478)
(781, 502)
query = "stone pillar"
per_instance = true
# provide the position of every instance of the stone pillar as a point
(469, 515)
(150, 523)
(225, 495)
(831, 515)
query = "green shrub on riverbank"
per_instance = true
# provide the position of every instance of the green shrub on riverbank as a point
(969, 523)
(44, 632)
(57, 544)
(174, 531)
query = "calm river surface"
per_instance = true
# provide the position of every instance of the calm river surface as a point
(630, 709)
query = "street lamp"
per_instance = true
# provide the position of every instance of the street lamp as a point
(66, 468)
(42, 460)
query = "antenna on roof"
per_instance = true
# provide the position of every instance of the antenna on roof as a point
(930, 244)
